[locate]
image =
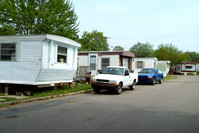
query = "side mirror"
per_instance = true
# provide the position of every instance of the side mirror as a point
(126, 74)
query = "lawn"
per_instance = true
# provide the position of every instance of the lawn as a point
(55, 92)
(63, 90)
(169, 77)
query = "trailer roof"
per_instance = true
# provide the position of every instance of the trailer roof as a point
(14, 38)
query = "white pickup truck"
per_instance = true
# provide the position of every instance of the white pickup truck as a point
(115, 78)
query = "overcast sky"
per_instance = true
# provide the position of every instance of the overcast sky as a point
(127, 22)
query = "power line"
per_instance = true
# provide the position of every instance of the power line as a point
(157, 35)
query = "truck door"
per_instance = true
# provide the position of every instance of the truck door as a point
(127, 76)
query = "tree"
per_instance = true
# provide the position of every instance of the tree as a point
(171, 53)
(118, 48)
(142, 49)
(38, 17)
(192, 56)
(94, 41)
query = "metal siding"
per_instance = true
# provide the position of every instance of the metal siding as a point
(31, 55)
(5, 70)
(56, 75)
(25, 71)
(27, 66)
(30, 51)
(45, 55)
(70, 58)
(83, 60)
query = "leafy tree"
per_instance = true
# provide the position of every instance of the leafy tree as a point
(142, 49)
(38, 17)
(94, 41)
(171, 53)
(118, 48)
(193, 56)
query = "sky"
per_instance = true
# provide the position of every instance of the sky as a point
(126, 22)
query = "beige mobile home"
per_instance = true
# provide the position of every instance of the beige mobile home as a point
(98, 60)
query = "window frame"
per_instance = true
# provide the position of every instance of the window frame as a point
(12, 58)
(138, 62)
(188, 67)
(62, 54)
(104, 63)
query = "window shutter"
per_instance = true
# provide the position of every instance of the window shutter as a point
(136, 64)
(143, 64)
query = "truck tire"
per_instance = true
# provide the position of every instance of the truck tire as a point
(153, 82)
(160, 81)
(132, 87)
(96, 90)
(119, 89)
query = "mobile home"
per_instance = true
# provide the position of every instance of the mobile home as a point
(139, 63)
(98, 60)
(37, 59)
(163, 66)
(186, 67)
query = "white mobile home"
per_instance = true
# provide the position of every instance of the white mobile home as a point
(139, 63)
(186, 67)
(163, 66)
(37, 59)
(98, 60)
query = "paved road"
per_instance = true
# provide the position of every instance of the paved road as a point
(171, 107)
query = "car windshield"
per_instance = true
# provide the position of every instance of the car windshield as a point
(147, 71)
(114, 71)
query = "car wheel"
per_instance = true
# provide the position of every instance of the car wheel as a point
(96, 90)
(153, 82)
(119, 89)
(132, 87)
(160, 81)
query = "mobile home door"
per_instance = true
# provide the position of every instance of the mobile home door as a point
(93, 63)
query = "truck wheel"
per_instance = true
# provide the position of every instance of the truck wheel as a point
(119, 89)
(132, 87)
(153, 82)
(96, 90)
(160, 81)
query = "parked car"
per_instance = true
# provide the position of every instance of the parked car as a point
(150, 75)
(114, 78)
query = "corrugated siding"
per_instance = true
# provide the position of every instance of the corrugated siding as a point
(27, 66)
(5, 70)
(30, 51)
(56, 75)
(45, 55)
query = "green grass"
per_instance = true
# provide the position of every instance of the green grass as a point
(62, 90)
(8, 99)
(192, 74)
(169, 77)
(2, 94)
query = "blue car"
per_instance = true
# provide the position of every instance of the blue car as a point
(150, 75)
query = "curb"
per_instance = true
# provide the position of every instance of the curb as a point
(2, 104)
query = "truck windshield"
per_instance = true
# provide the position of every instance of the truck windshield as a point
(147, 71)
(114, 71)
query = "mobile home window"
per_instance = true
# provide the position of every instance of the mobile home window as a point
(188, 67)
(7, 52)
(62, 54)
(105, 62)
(140, 64)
